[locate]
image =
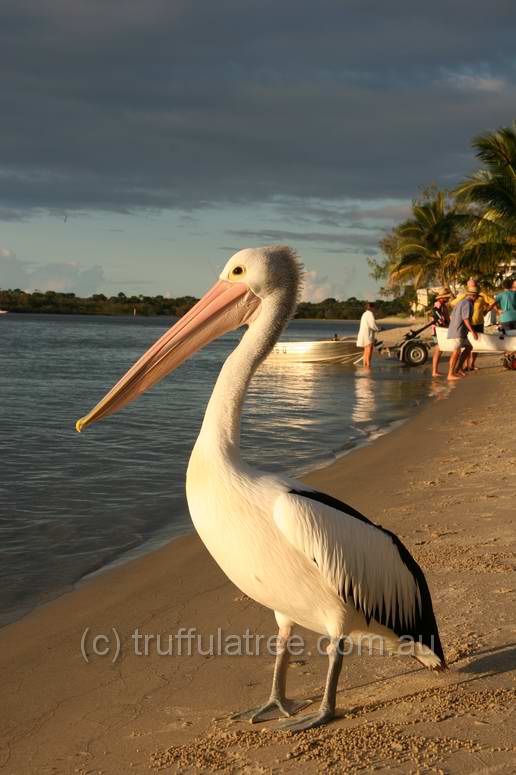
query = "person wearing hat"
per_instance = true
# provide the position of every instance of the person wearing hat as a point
(482, 304)
(441, 316)
(460, 325)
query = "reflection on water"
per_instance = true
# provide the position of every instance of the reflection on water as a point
(365, 403)
(70, 503)
(440, 388)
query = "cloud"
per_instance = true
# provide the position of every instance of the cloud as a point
(297, 99)
(11, 214)
(67, 277)
(317, 288)
(342, 213)
(470, 82)
(13, 272)
(381, 212)
(348, 242)
(63, 277)
(361, 224)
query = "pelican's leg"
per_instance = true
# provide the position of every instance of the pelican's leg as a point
(277, 705)
(327, 710)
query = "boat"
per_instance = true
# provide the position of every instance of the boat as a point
(496, 342)
(3, 311)
(341, 350)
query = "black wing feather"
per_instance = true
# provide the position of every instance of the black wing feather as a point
(424, 626)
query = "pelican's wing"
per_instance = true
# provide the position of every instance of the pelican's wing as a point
(363, 563)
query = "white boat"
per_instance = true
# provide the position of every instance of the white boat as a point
(495, 342)
(3, 311)
(342, 350)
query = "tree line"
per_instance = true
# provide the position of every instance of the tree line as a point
(450, 236)
(68, 304)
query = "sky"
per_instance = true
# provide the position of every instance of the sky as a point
(142, 142)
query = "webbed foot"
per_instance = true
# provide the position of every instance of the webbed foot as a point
(273, 709)
(310, 721)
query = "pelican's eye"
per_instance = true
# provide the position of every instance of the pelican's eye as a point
(237, 270)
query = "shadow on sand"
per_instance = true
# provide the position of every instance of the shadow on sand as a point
(492, 661)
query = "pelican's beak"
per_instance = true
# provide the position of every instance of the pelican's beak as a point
(225, 307)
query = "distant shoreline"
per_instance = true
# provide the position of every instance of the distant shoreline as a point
(389, 319)
(58, 303)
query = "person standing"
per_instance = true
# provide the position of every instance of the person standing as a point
(441, 317)
(482, 304)
(460, 324)
(506, 305)
(366, 333)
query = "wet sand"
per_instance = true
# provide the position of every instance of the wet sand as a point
(445, 482)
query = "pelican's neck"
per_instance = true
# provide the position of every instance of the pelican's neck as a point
(220, 432)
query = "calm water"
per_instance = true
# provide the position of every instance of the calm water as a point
(71, 503)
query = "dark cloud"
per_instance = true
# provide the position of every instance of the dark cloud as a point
(349, 243)
(339, 214)
(117, 106)
(10, 214)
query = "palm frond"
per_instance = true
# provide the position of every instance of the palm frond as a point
(493, 187)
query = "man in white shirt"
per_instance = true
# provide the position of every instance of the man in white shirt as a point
(366, 333)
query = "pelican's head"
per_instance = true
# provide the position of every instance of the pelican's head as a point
(251, 277)
(270, 271)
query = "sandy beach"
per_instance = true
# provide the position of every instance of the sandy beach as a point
(445, 482)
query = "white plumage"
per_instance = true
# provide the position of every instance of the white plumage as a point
(313, 560)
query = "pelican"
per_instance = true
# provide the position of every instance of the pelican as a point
(313, 560)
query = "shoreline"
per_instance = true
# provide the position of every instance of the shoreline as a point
(171, 533)
(345, 439)
(150, 711)
(140, 551)
(390, 319)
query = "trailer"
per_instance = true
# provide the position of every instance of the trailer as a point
(412, 349)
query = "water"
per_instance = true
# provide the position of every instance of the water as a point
(70, 503)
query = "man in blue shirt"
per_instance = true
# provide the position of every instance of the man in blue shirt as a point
(460, 324)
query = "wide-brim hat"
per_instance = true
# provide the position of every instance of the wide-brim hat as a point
(443, 293)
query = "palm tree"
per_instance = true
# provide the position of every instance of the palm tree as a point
(491, 191)
(429, 243)
(493, 188)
